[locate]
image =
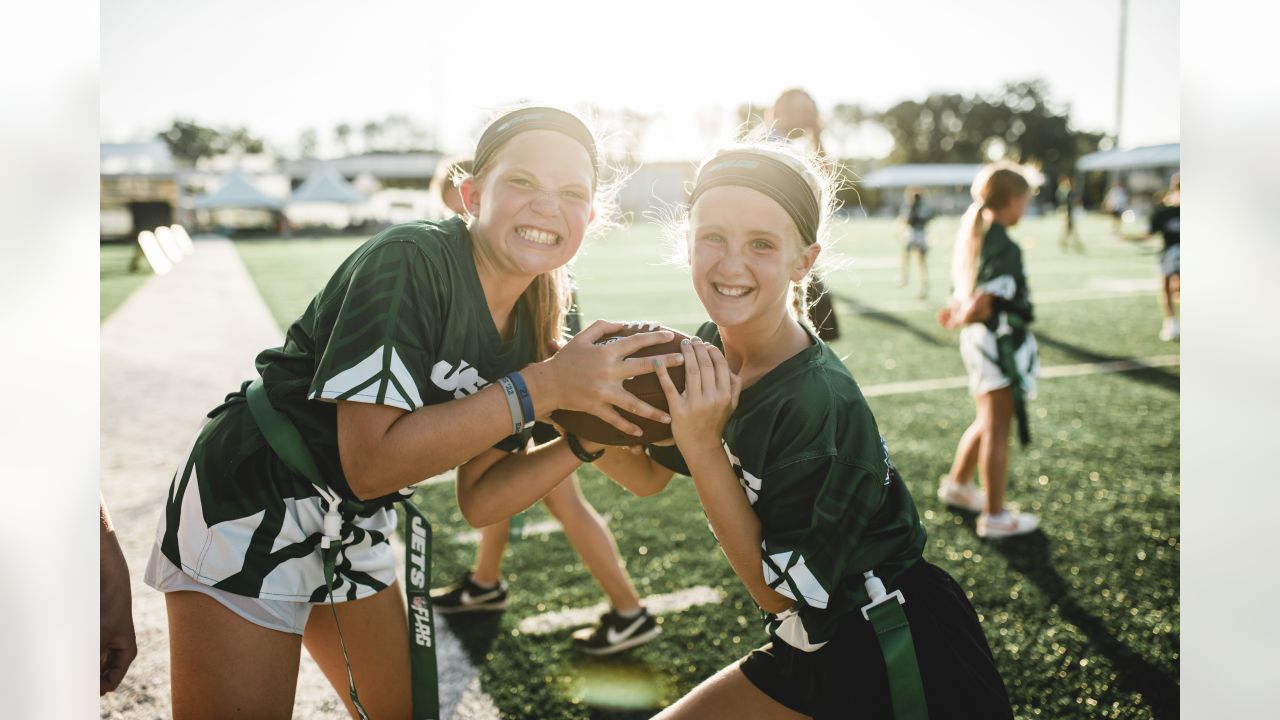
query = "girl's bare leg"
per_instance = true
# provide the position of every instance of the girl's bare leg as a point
(591, 539)
(376, 631)
(993, 450)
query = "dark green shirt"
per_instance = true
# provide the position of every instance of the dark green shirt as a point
(806, 449)
(402, 322)
(1000, 273)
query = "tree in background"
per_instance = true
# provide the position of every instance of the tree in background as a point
(308, 143)
(1018, 123)
(343, 133)
(189, 141)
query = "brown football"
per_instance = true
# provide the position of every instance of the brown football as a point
(646, 387)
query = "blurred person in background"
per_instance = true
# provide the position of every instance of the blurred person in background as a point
(1165, 220)
(117, 645)
(1115, 203)
(915, 216)
(1068, 208)
(794, 117)
(444, 186)
(991, 304)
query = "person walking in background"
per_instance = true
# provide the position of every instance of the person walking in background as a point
(915, 216)
(991, 303)
(1115, 203)
(1165, 220)
(794, 118)
(1068, 207)
(444, 186)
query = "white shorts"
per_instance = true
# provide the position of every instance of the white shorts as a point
(289, 616)
(978, 350)
(916, 239)
(1170, 260)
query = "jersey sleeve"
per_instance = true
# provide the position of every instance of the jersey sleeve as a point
(998, 271)
(381, 347)
(807, 563)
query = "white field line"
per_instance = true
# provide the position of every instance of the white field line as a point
(664, 604)
(1048, 373)
(461, 697)
(542, 527)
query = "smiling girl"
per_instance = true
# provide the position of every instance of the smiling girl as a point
(796, 481)
(431, 347)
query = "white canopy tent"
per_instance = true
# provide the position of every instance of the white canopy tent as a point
(325, 199)
(1149, 157)
(238, 193)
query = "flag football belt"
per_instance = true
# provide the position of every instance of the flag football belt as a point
(884, 612)
(1006, 360)
(286, 441)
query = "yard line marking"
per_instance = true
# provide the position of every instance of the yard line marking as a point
(459, 681)
(664, 604)
(1048, 373)
(544, 527)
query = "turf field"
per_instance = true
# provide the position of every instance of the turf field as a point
(1083, 618)
(116, 282)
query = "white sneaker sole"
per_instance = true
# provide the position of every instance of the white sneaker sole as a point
(950, 502)
(1000, 533)
(627, 644)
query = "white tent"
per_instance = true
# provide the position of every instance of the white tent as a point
(1148, 157)
(326, 185)
(326, 199)
(238, 193)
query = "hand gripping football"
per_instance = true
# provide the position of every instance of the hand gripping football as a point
(645, 387)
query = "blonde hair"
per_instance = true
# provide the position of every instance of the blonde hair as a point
(996, 185)
(818, 172)
(549, 296)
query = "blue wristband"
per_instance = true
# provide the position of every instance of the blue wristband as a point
(526, 402)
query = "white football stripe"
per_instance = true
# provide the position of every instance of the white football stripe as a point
(405, 378)
(657, 604)
(812, 590)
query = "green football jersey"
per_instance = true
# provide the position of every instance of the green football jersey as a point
(817, 472)
(402, 322)
(1000, 273)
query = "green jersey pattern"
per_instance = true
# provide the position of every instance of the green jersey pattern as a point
(1000, 274)
(402, 322)
(812, 463)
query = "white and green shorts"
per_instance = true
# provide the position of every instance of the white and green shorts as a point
(978, 350)
(251, 528)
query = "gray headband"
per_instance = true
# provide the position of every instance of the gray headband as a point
(770, 176)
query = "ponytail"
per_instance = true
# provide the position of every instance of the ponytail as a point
(995, 187)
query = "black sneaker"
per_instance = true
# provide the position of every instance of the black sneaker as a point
(465, 596)
(615, 633)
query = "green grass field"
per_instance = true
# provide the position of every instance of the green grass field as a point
(116, 282)
(1083, 618)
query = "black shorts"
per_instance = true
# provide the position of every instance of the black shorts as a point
(847, 677)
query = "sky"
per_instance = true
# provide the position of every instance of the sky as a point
(281, 66)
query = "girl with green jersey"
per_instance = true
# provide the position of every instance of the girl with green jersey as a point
(991, 304)
(796, 481)
(433, 346)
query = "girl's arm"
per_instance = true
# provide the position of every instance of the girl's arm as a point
(384, 449)
(632, 469)
(976, 308)
(698, 417)
(497, 484)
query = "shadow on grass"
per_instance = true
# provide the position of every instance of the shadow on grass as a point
(476, 632)
(1030, 556)
(886, 318)
(1156, 377)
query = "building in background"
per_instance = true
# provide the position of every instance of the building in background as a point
(1143, 171)
(139, 189)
